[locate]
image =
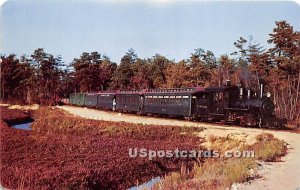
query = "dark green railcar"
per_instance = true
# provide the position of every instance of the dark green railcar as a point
(90, 100)
(176, 102)
(72, 99)
(77, 99)
(128, 101)
(169, 104)
(106, 100)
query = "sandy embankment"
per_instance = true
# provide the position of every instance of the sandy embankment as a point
(20, 107)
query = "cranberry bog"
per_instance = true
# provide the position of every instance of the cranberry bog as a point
(66, 152)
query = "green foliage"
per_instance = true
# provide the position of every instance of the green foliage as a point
(158, 66)
(124, 73)
(201, 65)
(269, 148)
(92, 72)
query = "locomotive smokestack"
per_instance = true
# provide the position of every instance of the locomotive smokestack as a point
(228, 83)
(261, 90)
(262, 86)
(248, 93)
(241, 89)
(241, 92)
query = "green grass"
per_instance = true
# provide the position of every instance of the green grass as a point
(268, 148)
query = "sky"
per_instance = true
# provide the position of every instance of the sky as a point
(170, 28)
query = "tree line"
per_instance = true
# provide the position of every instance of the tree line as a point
(43, 78)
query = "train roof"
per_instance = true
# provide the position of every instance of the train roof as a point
(106, 92)
(128, 92)
(93, 93)
(191, 90)
(218, 88)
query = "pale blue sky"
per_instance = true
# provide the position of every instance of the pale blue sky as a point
(171, 28)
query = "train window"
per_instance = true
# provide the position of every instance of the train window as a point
(218, 97)
(179, 102)
(185, 102)
(185, 96)
(178, 97)
(226, 96)
(203, 96)
(167, 101)
(148, 101)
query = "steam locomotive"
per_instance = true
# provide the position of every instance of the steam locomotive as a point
(229, 103)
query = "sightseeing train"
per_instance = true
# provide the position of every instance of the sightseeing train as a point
(228, 103)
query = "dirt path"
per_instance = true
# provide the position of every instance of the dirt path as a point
(281, 175)
(275, 176)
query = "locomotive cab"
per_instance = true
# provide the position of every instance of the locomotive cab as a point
(213, 103)
(220, 97)
(201, 105)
